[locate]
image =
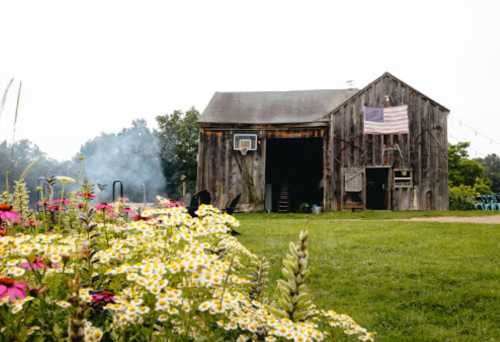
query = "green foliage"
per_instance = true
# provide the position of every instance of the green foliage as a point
(26, 156)
(462, 197)
(178, 133)
(492, 165)
(467, 178)
(482, 186)
(461, 169)
(293, 300)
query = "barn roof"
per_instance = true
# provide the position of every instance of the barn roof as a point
(273, 107)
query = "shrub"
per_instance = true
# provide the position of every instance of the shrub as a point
(462, 197)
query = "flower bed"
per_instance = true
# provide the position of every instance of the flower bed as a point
(97, 274)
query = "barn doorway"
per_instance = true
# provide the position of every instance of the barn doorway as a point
(294, 174)
(377, 194)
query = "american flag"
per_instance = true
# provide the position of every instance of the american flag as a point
(389, 120)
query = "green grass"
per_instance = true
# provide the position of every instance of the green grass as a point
(408, 281)
(370, 215)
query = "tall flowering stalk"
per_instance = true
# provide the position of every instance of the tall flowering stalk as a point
(294, 301)
(259, 278)
(86, 194)
(21, 199)
(104, 207)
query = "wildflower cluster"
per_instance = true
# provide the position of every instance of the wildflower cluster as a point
(165, 276)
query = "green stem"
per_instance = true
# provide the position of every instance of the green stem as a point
(105, 227)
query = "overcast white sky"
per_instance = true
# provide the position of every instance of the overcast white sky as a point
(93, 66)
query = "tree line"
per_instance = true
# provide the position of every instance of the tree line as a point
(147, 161)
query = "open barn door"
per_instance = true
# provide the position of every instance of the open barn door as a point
(294, 173)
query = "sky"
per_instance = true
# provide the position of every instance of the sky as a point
(93, 66)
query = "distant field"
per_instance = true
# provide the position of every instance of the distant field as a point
(409, 281)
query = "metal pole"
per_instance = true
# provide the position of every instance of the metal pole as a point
(121, 189)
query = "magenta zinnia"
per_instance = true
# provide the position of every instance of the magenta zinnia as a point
(12, 288)
(6, 213)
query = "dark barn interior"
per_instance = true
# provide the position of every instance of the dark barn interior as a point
(377, 188)
(294, 172)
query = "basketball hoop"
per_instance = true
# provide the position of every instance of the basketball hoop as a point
(245, 142)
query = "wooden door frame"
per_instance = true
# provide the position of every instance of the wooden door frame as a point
(388, 193)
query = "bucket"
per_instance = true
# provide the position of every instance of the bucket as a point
(316, 209)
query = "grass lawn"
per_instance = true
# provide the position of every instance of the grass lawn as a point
(408, 281)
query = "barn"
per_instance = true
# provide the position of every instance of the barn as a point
(380, 147)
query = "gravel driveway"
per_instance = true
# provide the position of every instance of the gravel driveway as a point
(493, 219)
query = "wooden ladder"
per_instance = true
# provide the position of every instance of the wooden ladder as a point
(284, 204)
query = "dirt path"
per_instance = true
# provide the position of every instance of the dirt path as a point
(494, 219)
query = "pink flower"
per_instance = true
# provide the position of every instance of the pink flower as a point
(103, 296)
(31, 223)
(6, 213)
(63, 201)
(37, 264)
(10, 216)
(104, 206)
(54, 207)
(12, 288)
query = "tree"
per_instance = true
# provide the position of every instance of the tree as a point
(467, 178)
(178, 134)
(15, 158)
(492, 165)
(461, 169)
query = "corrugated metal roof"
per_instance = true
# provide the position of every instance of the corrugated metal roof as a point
(273, 107)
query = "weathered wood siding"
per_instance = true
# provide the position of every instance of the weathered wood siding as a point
(424, 149)
(225, 173)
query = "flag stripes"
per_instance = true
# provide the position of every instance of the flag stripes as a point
(393, 121)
